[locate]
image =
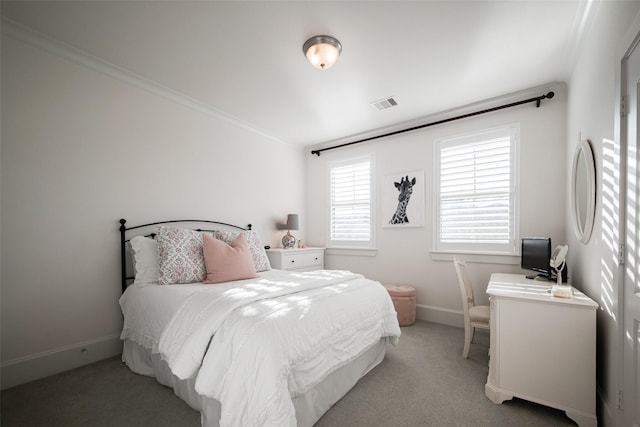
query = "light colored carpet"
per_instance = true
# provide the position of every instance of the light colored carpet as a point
(424, 381)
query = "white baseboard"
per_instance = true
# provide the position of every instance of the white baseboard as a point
(30, 368)
(440, 315)
(41, 365)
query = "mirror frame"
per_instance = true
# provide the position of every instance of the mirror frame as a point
(583, 221)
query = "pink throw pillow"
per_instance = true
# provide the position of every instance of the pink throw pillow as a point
(227, 261)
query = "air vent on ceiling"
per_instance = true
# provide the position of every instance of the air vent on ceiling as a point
(383, 104)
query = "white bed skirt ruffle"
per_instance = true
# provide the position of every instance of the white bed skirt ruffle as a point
(309, 406)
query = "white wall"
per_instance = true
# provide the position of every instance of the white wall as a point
(81, 149)
(591, 114)
(403, 255)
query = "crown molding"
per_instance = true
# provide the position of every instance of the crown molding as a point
(56, 47)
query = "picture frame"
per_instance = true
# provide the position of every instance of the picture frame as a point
(402, 199)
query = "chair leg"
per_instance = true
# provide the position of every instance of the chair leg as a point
(467, 341)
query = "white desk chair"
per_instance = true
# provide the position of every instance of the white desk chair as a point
(475, 316)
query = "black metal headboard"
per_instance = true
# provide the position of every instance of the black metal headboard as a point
(124, 239)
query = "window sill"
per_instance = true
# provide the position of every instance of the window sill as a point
(487, 258)
(369, 252)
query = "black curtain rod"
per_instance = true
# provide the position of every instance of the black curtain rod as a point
(537, 100)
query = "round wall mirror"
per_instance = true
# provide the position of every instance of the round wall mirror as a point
(583, 191)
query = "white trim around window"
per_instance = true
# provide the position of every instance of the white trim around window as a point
(476, 207)
(351, 190)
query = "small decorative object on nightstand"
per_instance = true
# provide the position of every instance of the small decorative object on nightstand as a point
(288, 240)
(296, 259)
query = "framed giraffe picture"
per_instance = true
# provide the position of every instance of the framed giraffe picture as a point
(402, 199)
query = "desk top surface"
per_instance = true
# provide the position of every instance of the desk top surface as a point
(517, 286)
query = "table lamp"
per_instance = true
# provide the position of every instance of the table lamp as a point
(288, 240)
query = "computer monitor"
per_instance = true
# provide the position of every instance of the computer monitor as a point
(536, 253)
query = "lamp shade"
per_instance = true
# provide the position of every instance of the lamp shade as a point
(292, 223)
(322, 51)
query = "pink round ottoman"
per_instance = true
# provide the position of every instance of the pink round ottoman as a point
(404, 300)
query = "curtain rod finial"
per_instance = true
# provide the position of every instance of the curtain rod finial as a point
(549, 95)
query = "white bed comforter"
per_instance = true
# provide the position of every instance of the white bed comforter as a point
(243, 339)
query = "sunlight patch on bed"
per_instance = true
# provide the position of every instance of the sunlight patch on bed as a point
(240, 293)
(278, 308)
(303, 302)
(325, 274)
(254, 288)
(339, 288)
(269, 282)
(249, 311)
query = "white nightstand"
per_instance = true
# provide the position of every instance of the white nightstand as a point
(296, 259)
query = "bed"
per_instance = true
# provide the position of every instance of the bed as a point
(244, 344)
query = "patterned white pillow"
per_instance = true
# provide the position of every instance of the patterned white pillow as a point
(260, 259)
(180, 256)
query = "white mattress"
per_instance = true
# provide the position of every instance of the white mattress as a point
(257, 346)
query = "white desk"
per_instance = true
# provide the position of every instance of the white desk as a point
(543, 348)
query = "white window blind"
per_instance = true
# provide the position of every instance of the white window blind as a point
(475, 187)
(350, 203)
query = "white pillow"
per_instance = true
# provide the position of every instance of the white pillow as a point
(145, 259)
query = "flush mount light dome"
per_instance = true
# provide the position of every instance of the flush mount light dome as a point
(322, 51)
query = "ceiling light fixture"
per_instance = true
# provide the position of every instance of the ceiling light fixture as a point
(322, 51)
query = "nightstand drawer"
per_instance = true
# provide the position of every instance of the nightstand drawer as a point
(298, 259)
(302, 260)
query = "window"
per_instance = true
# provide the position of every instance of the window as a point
(350, 203)
(475, 192)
